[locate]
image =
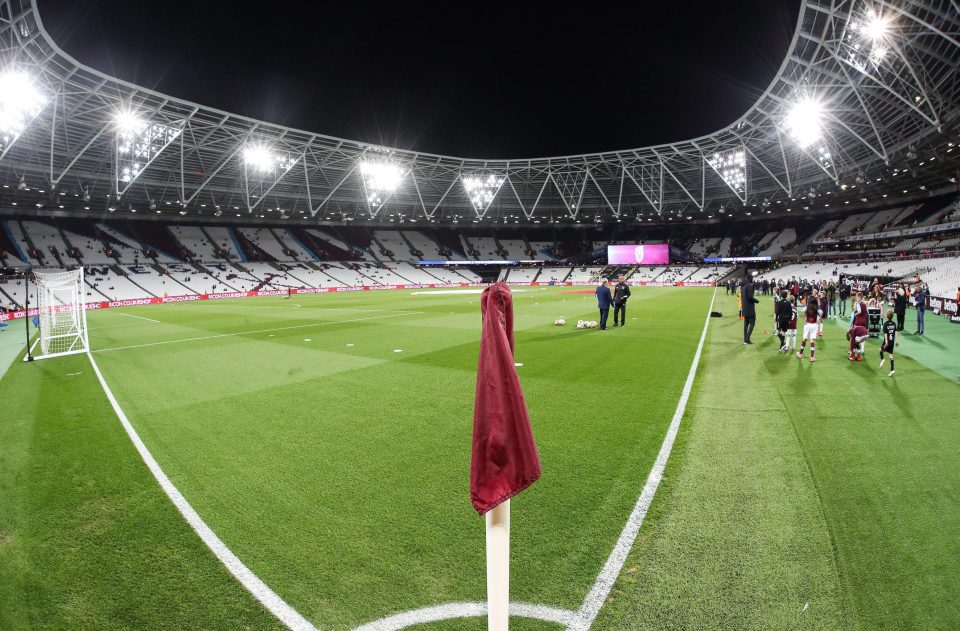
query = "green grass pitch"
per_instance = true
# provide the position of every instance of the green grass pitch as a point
(797, 496)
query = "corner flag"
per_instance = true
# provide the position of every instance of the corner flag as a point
(505, 459)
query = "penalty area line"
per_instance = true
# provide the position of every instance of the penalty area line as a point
(588, 611)
(130, 315)
(267, 597)
(220, 335)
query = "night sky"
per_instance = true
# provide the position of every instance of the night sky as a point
(478, 80)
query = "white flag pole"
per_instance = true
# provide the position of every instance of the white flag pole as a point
(498, 567)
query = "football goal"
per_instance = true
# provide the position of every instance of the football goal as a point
(62, 318)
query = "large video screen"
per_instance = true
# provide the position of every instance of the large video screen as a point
(654, 254)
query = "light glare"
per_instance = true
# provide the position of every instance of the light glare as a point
(20, 101)
(804, 122)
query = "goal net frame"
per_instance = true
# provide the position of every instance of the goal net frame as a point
(61, 313)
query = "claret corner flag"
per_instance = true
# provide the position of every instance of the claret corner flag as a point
(505, 459)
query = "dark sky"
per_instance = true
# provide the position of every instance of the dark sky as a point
(480, 80)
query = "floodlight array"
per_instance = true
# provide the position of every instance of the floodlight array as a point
(868, 38)
(263, 160)
(138, 142)
(482, 189)
(732, 167)
(804, 122)
(20, 101)
(380, 179)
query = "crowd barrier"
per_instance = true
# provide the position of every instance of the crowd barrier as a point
(944, 306)
(133, 302)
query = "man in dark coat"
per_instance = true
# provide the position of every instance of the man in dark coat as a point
(620, 294)
(749, 308)
(604, 302)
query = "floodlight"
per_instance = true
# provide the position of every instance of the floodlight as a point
(732, 167)
(128, 123)
(20, 101)
(878, 53)
(804, 122)
(481, 190)
(259, 158)
(380, 179)
(875, 27)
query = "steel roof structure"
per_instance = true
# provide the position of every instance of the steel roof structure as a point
(889, 114)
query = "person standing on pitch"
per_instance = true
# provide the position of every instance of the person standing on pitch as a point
(620, 294)
(921, 297)
(604, 301)
(843, 291)
(889, 340)
(900, 307)
(748, 308)
(784, 312)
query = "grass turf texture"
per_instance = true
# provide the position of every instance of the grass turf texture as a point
(339, 473)
(799, 495)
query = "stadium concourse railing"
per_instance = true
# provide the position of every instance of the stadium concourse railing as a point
(133, 302)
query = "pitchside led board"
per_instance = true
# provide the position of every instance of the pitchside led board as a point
(653, 254)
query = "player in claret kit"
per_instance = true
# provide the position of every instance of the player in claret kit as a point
(859, 311)
(890, 340)
(811, 316)
(821, 298)
(856, 335)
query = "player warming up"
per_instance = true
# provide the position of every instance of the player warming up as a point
(857, 334)
(811, 325)
(889, 340)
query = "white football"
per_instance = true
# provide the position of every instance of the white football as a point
(560, 322)
(580, 324)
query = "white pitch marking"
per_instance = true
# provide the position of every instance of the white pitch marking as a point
(274, 604)
(398, 350)
(74, 374)
(280, 328)
(454, 292)
(130, 315)
(518, 364)
(452, 611)
(349, 344)
(307, 340)
(611, 569)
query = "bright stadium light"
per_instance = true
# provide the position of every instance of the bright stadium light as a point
(481, 190)
(259, 158)
(877, 54)
(262, 159)
(875, 27)
(128, 123)
(732, 167)
(804, 122)
(380, 179)
(20, 101)
(138, 142)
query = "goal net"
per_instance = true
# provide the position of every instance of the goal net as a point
(62, 317)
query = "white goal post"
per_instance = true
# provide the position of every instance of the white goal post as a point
(62, 314)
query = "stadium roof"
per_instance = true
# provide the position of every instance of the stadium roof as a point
(864, 105)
